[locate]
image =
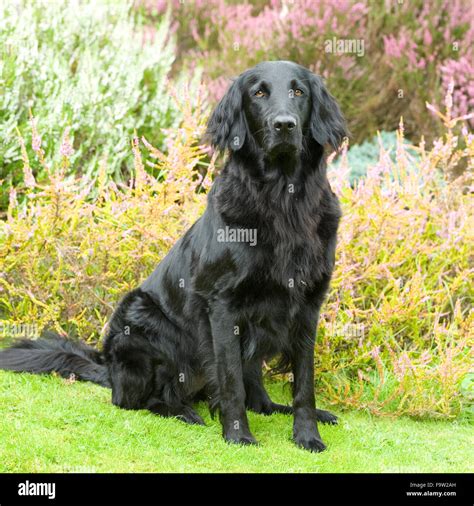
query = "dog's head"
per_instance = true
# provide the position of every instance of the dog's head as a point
(276, 107)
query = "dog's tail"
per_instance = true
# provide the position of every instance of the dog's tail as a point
(53, 353)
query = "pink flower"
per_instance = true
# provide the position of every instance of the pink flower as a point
(36, 138)
(12, 198)
(457, 77)
(66, 148)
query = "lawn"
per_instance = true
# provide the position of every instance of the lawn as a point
(50, 425)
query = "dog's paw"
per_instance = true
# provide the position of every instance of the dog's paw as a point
(281, 408)
(243, 439)
(190, 416)
(309, 442)
(326, 417)
(270, 408)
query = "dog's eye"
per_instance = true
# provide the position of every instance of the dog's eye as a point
(298, 93)
(260, 93)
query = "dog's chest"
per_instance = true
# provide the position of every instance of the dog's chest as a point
(299, 247)
(294, 260)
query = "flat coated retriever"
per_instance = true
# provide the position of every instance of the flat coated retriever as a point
(244, 284)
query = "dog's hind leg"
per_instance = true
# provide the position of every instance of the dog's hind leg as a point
(131, 375)
(256, 397)
(182, 412)
(326, 417)
(138, 382)
(133, 389)
(258, 400)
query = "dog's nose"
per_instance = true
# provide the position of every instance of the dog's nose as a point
(284, 123)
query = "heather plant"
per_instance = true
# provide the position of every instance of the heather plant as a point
(362, 156)
(396, 334)
(85, 65)
(398, 331)
(381, 60)
(461, 71)
(71, 247)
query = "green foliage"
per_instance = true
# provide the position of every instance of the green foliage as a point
(84, 65)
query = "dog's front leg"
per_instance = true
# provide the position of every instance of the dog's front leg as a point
(305, 429)
(228, 367)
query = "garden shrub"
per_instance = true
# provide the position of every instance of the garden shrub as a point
(86, 65)
(396, 334)
(362, 156)
(71, 247)
(411, 51)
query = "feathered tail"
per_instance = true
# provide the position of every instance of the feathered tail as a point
(55, 353)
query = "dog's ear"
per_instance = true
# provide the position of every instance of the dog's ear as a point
(327, 123)
(227, 126)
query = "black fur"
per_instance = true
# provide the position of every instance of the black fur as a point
(53, 353)
(212, 311)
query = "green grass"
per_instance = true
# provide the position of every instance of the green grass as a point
(48, 425)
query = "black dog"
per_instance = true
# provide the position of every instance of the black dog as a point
(244, 284)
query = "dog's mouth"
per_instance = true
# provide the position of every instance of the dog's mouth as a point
(283, 150)
(282, 158)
